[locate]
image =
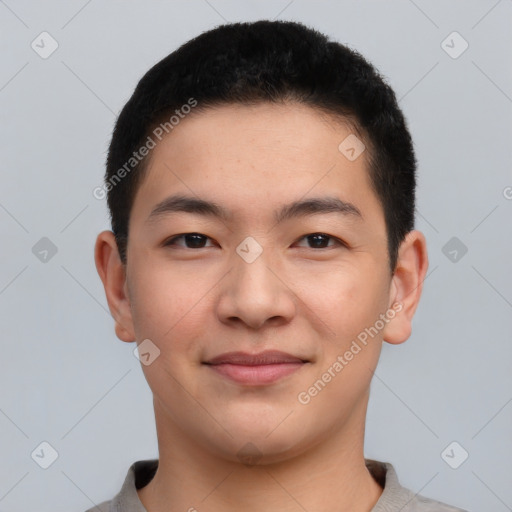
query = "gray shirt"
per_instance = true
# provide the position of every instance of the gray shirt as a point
(394, 497)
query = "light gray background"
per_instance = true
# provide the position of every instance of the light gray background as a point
(67, 380)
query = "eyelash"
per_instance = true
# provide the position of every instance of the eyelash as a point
(170, 242)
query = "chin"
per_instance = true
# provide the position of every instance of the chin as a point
(261, 444)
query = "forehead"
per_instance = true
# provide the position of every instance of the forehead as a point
(252, 158)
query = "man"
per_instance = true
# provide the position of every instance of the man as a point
(261, 185)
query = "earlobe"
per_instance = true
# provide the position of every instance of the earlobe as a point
(112, 273)
(406, 286)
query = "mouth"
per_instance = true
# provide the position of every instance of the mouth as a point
(255, 369)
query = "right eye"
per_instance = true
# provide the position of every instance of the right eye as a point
(190, 241)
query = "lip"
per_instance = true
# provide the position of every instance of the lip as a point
(255, 369)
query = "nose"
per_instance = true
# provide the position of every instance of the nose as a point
(256, 293)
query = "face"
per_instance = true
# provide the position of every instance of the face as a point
(289, 255)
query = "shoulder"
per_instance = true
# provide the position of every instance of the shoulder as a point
(397, 497)
(101, 507)
(126, 500)
(422, 504)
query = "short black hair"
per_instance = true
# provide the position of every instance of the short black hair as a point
(266, 61)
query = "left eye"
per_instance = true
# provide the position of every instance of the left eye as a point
(320, 240)
(191, 240)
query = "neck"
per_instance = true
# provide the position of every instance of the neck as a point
(330, 475)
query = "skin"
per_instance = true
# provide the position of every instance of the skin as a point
(307, 300)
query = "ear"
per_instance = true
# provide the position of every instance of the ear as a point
(113, 275)
(406, 286)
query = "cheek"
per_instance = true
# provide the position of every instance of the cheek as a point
(171, 307)
(348, 298)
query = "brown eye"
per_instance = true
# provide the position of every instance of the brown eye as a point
(320, 240)
(189, 241)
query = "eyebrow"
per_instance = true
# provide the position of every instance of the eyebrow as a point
(317, 205)
(301, 208)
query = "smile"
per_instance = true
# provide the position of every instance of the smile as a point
(255, 369)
